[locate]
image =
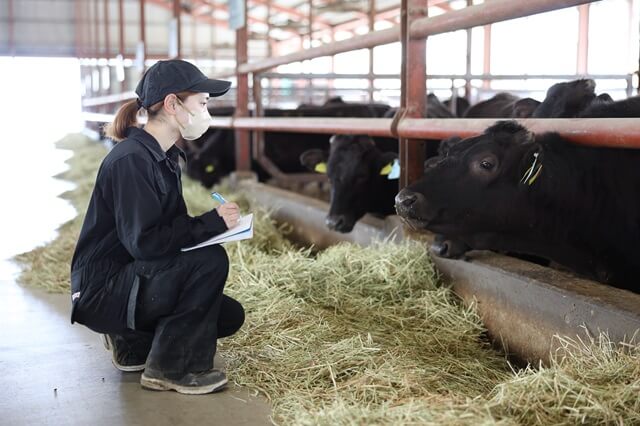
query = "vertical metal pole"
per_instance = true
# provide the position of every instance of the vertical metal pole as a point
(270, 51)
(12, 30)
(310, 81)
(143, 36)
(467, 81)
(78, 30)
(258, 136)
(486, 59)
(96, 29)
(413, 94)
(194, 37)
(583, 39)
(372, 21)
(107, 46)
(121, 40)
(176, 16)
(243, 150)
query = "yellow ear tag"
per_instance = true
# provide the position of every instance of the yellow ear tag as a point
(386, 169)
(209, 168)
(321, 168)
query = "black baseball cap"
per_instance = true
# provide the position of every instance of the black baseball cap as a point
(173, 76)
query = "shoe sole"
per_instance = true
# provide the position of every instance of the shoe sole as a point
(106, 341)
(163, 385)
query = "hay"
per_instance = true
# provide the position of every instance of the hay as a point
(356, 335)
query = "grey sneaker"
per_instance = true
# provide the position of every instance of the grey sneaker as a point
(123, 360)
(190, 384)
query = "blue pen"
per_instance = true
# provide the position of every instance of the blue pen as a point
(219, 198)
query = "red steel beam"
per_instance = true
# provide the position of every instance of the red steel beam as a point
(605, 132)
(373, 39)
(328, 125)
(290, 11)
(597, 132)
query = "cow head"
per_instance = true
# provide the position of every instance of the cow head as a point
(475, 185)
(357, 170)
(524, 108)
(566, 100)
(209, 158)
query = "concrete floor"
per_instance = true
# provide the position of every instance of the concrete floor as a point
(54, 373)
(50, 371)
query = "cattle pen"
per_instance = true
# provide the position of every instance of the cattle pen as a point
(526, 308)
(516, 317)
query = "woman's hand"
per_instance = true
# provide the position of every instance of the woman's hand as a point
(230, 213)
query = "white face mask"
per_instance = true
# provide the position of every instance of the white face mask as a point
(197, 125)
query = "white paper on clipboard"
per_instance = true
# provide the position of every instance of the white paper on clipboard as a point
(242, 231)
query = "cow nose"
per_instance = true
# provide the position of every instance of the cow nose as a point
(334, 222)
(406, 198)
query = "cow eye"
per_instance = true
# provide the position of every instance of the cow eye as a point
(487, 165)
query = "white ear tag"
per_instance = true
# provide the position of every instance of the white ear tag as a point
(395, 170)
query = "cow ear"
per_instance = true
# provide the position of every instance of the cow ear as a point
(589, 84)
(389, 165)
(524, 108)
(446, 144)
(315, 160)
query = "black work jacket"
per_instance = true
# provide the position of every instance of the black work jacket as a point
(136, 212)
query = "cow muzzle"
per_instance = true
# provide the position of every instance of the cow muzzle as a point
(339, 223)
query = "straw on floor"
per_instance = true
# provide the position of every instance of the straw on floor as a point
(354, 335)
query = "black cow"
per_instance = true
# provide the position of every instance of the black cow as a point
(212, 156)
(503, 105)
(511, 190)
(359, 173)
(357, 186)
(605, 107)
(567, 99)
(460, 108)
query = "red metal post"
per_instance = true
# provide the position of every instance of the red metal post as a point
(413, 86)
(176, 16)
(583, 39)
(243, 146)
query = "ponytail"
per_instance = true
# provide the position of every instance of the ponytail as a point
(127, 116)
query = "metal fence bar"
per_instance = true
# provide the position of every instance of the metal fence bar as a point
(604, 132)
(486, 13)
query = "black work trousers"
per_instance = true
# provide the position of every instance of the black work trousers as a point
(181, 311)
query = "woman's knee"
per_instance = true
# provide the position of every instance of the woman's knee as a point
(231, 316)
(213, 257)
